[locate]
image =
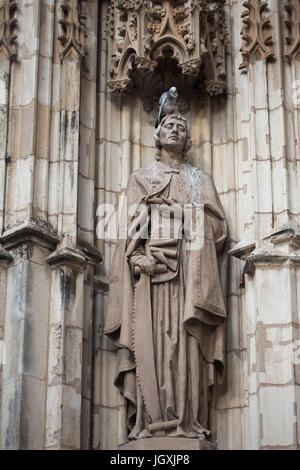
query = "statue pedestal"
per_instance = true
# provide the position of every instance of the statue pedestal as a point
(169, 443)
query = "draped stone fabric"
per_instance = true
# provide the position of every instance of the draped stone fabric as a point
(169, 327)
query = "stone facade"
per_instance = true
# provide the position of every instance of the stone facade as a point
(67, 146)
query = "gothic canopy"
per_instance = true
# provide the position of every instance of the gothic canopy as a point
(156, 44)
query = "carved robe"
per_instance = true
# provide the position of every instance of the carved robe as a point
(169, 328)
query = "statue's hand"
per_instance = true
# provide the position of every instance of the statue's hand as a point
(145, 264)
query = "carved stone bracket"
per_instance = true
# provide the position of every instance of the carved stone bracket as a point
(5, 256)
(72, 34)
(91, 253)
(154, 45)
(265, 256)
(256, 33)
(37, 230)
(8, 23)
(279, 247)
(67, 255)
(243, 250)
(287, 235)
(292, 31)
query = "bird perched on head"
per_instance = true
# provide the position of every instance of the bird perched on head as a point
(169, 102)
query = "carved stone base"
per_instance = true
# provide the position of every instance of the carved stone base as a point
(169, 443)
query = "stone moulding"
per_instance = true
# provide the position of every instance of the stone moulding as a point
(279, 247)
(257, 34)
(40, 232)
(267, 256)
(8, 23)
(288, 234)
(292, 28)
(158, 43)
(93, 256)
(5, 256)
(262, 256)
(72, 30)
(76, 257)
(243, 250)
(67, 255)
(36, 230)
(168, 443)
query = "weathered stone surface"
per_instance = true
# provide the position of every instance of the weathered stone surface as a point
(68, 145)
(168, 443)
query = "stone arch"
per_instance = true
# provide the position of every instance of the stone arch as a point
(127, 62)
(168, 43)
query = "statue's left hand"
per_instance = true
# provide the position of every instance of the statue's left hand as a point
(145, 264)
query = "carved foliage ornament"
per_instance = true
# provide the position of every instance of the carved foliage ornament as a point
(292, 32)
(8, 23)
(145, 36)
(256, 33)
(72, 33)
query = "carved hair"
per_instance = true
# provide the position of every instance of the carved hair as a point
(156, 134)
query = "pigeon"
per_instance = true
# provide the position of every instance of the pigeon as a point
(169, 103)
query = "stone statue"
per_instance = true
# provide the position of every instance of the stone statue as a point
(166, 310)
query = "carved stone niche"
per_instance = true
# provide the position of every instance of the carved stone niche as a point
(154, 45)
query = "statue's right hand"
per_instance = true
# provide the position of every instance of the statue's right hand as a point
(145, 264)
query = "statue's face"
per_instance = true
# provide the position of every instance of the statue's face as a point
(173, 134)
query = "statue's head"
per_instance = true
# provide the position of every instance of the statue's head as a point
(173, 134)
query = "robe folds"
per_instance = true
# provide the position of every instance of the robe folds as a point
(169, 328)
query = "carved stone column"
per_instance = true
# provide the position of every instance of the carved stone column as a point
(24, 231)
(272, 288)
(65, 348)
(71, 210)
(268, 214)
(26, 299)
(69, 330)
(5, 259)
(8, 52)
(39, 193)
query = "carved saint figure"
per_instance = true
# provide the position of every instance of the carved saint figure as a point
(166, 310)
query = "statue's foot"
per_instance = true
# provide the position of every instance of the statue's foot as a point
(144, 434)
(202, 436)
